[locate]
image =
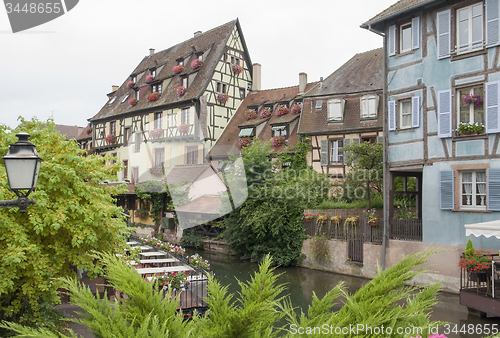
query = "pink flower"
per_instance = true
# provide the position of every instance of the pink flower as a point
(50, 268)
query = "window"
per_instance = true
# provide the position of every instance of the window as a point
(369, 106)
(125, 98)
(280, 131)
(185, 115)
(137, 96)
(112, 100)
(470, 112)
(405, 114)
(192, 155)
(246, 132)
(153, 72)
(336, 110)
(470, 28)
(159, 159)
(138, 139)
(156, 88)
(184, 80)
(135, 175)
(319, 104)
(172, 120)
(473, 189)
(223, 57)
(407, 111)
(404, 37)
(180, 62)
(242, 93)
(125, 169)
(221, 87)
(158, 122)
(112, 127)
(127, 136)
(336, 155)
(371, 140)
(200, 57)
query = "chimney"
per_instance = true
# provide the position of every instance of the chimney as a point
(302, 82)
(114, 88)
(321, 82)
(151, 51)
(197, 33)
(256, 77)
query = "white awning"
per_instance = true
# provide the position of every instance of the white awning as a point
(245, 132)
(486, 229)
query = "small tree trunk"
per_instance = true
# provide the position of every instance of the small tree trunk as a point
(368, 202)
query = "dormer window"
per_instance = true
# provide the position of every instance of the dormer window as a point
(180, 62)
(336, 110)
(153, 72)
(137, 95)
(200, 57)
(221, 87)
(184, 80)
(246, 132)
(156, 88)
(369, 106)
(319, 104)
(112, 100)
(281, 130)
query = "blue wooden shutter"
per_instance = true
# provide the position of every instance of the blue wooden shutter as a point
(347, 141)
(443, 34)
(446, 191)
(493, 193)
(415, 33)
(444, 113)
(392, 40)
(324, 153)
(392, 115)
(492, 107)
(492, 23)
(415, 111)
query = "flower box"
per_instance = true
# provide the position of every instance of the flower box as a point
(152, 97)
(111, 139)
(237, 69)
(336, 219)
(250, 114)
(195, 63)
(244, 141)
(130, 84)
(471, 128)
(156, 171)
(177, 69)
(132, 102)
(351, 220)
(222, 97)
(141, 213)
(156, 133)
(296, 109)
(276, 141)
(281, 110)
(149, 78)
(308, 217)
(265, 112)
(181, 90)
(373, 223)
(321, 218)
(183, 128)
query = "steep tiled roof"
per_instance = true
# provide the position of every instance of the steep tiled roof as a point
(186, 172)
(212, 41)
(398, 8)
(228, 142)
(359, 76)
(70, 131)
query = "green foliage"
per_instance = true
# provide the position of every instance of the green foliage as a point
(319, 246)
(296, 156)
(73, 215)
(270, 220)
(191, 239)
(385, 301)
(469, 248)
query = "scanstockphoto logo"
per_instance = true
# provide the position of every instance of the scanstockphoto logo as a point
(24, 15)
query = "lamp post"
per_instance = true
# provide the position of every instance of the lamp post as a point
(22, 165)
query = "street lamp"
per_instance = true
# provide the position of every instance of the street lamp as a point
(22, 165)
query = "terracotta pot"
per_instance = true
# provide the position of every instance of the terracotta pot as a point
(374, 223)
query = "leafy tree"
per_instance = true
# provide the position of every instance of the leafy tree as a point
(385, 301)
(270, 220)
(73, 215)
(365, 163)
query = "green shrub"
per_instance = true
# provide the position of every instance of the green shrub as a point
(191, 239)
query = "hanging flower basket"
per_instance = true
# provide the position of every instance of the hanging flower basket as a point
(475, 99)
(265, 112)
(195, 63)
(352, 220)
(276, 141)
(149, 78)
(244, 141)
(177, 69)
(152, 97)
(132, 102)
(222, 97)
(237, 69)
(296, 108)
(308, 217)
(111, 139)
(88, 130)
(250, 114)
(281, 110)
(156, 171)
(321, 218)
(336, 219)
(181, 90)
(183, 128)
(130, 84)
(156, 133)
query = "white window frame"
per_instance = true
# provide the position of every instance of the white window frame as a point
(335, 110)
(402, 27)
(283, 131)
(112, 127)
(319, 104)
(156, 88)
(172, 120)
(159, 157)
(158, 120)
(471, 46)
(472, 107)
(474, 191)
(401, 105)
(366, 112)
(336, 156)
(185, 115)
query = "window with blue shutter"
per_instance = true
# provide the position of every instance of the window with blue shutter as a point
(493, 193)
(492, 107)
(492, 23)
(446, 190)
(392, 40)
(415, 33)
(324, 153)
(444, 113)
(415, 111)
(443, 34)
(392, 115)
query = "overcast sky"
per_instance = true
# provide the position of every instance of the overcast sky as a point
(66, 67)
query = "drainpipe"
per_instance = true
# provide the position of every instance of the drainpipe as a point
(386, 138)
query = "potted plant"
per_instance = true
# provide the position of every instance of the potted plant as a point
(152, 97)
(141, 213)
(250, 114)
(475, 99)
(195, 63)
(156, 171)
(132, 102)
(372, 218)
(156, 133)
(149, 78)
(177, 69)
(336, 219)
(308, 217)
(183, 128)
(198, 262)
(244, 141)
(276, 141)
(175, 281)
(237, 69)
(265, 112)
(321, 218)
(351, 220)
(471, 128)
(111, 139)
(130, 84)
(281, 110)
(477, 263)
(222, 97)
(181, 90)
(296, 108)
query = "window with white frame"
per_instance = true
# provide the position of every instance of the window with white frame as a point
(185, 115)
(369, 106)
(470, 105)
(192, 155)
(158, 120)
(221, 87)
(135, 175)
(184, 80)
(405, 114)
(172, 120)
(336, 110)
(159, 159)
(112, 127)
(405, 37)
(156, 88)
(473, 189)
(280, 131)
(469, 27)
(319, 104)
(336, 155)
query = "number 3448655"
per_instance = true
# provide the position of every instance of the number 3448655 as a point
(33, 8)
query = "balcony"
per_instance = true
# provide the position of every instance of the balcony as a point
(182, 132)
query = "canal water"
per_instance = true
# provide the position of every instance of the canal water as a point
(301, 283)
